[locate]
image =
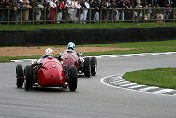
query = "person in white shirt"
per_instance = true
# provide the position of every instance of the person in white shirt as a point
(78, 6)
(39, 11)
(72, 10)
(85, 11)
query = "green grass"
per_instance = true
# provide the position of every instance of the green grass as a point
(139, 47)
(8, 58)
(161, 77)
(86, 26)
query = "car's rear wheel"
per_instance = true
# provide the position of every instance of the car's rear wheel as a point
(87, 67)
(19, 76)
(28, 81)
(93, 63)
(73, 78)
(65, 67)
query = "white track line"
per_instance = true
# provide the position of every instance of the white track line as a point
(114, 56)
(116, 81)
(128, 84)
(127, 55)
(121, 82)
(137, 86)
(164, 91)
(148, 88)
(155, 93)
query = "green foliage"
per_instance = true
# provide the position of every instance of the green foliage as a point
(161, 77)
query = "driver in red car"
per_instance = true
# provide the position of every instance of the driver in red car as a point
(48, 52)
(71, 47)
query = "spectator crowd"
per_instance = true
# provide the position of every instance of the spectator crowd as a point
(74, 10)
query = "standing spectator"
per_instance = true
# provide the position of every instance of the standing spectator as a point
(104, 10)
(52, 11)
(32, 10)
(134, 3)
(13, 9)
(174, 3)
(115, 11)
(95, 11)
(168, 13)
(147, 13)
(78, 9)
(81, 10)
(128, 12)
(71, 6)
(98, 10)
(47, 10)
(159, 14)
(121, 4)
(19, 6)
(2, 11)
(60, 6)
(143, 3)
(26, 11)
(86, 6)
(67, 12)
(39, 10)
(7, 5)
(155, 3)
(108, 6)
(138, 13)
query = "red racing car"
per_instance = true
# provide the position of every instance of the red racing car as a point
(49, 72)
(87, 65)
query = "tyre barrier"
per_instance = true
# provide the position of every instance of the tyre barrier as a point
(85, 36)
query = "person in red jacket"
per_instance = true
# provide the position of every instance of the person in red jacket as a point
(52, 11)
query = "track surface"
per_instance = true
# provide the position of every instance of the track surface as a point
(92, 98)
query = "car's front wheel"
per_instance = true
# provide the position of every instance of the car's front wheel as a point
(73, 78)
(19, 76)
(28, 81)
(93, 63)
(87, 67)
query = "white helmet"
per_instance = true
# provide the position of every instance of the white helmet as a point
(71, 45)
(49, 52)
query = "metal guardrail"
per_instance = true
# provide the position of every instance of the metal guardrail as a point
(74, 15)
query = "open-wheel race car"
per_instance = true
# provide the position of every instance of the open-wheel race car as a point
(49, 72)
(86, 65)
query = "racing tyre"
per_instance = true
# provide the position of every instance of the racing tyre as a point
(87, 67)
(19, 76)
(28, 81)
(93, 63)
(73, 79)
(65, 67)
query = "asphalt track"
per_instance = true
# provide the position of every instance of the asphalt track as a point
(92, 98)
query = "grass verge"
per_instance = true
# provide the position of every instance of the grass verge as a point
(138, 47)
(87, 26)
(9, 58)
(161, 77)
